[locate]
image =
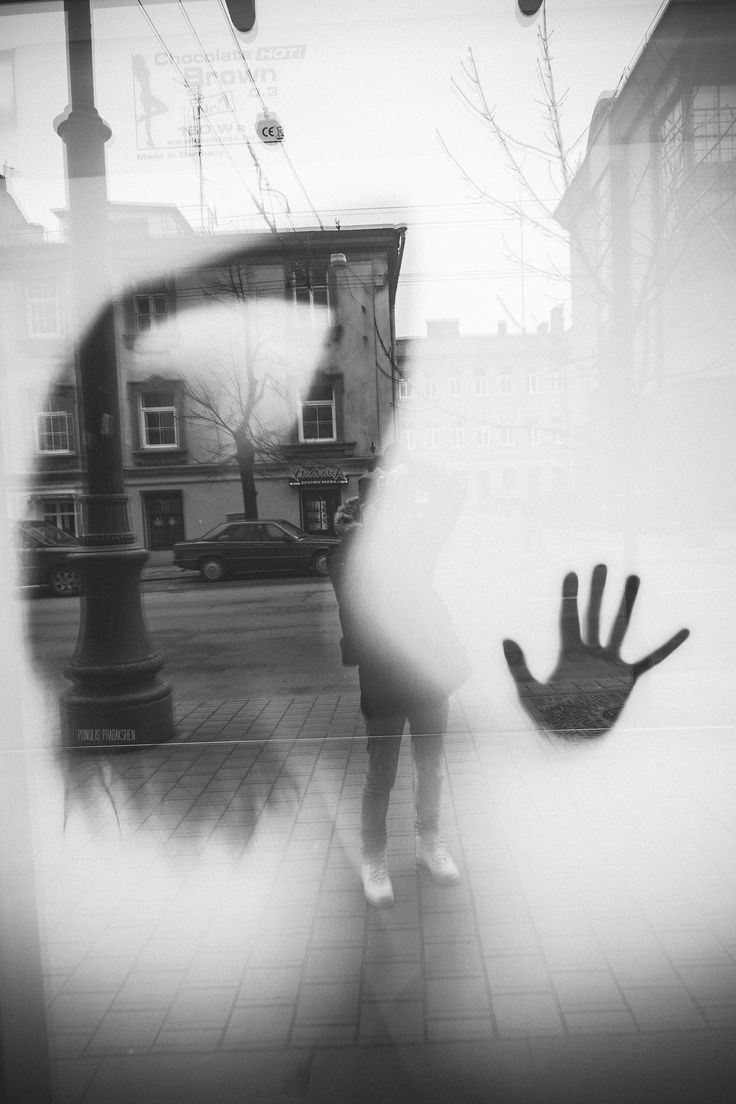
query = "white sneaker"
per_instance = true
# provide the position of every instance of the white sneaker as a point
(376, 882)
(433, 854)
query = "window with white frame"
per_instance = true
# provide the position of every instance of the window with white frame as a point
(60, 512)
(714, 123)
(433, 437)
(557, 431)
(506, 383)
(480, 383)
(432, 388)
(410, 438)
(317, 413)
(455, 385)
(508, 480)
(55, 431)
(508, 435)
(159, 419)
(483, 437)
(532, 383)
(457, 437)
(151, 308)
(555, 382)
(404, 388)
(534, 435)
(308, 287)
(43, 309)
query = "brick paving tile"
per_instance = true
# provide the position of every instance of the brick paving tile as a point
(460, 1029)
(392, 945)
(663, 1009)
(332, 963)
(258, 1025)
(394, 1022)
(204, 1007)
(177, 1040)
(269, 985)
(527, 1014)
(151, 989)
(452, 959)
(338, 931)
(508, 938)
(452, 996)
(518, 973)
(126, 1032)
(327, 1002)
(392, 980)
(600, 1022)
(586, 989)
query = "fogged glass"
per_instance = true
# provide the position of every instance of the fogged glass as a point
(550, 334)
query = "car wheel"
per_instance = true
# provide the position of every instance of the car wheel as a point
(212, 569)
(319, 563)
(64, 582)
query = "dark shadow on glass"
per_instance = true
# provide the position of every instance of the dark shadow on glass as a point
(591, 683)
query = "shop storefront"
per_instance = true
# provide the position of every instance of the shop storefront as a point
(320, 493)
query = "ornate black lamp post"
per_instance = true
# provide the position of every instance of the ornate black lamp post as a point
(117, 696)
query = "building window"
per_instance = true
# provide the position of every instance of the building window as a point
(317, 414)
(483, 437)
(533, 434)
(308, 287)
(455, 385)
(432, 388)
(532, 383)
(508, 480)
(404, 388)
(61, 512)
(159, 421)
(55, 432)
(557, 431)
(43, 309)
(457, 437)
(480, 384)
(714, 123)
(151, 309)
(506, 383)
(508, 435)
(433, 437)
(555, 382)
(410, 438)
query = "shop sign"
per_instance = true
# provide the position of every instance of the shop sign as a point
(310, 477)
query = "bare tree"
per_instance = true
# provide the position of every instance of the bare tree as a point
(238, 399)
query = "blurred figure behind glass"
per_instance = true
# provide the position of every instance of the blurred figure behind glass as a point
(398, 632)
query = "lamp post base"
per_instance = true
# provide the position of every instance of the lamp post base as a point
(140, 716)
(118, 698)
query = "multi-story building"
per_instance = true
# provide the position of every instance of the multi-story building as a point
(495, 407)
(651, 215)
(285, 342)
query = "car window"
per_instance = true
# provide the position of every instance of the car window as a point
(276, 533)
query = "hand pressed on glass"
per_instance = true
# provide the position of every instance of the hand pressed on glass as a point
(591, 683)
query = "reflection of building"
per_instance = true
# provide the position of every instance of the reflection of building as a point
(652, 220)
(495, 406)
(320, 333)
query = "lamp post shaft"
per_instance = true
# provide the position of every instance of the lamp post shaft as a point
(118, 697)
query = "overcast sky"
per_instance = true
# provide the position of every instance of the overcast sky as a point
(361, 90)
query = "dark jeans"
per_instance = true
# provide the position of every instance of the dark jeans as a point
(427, 727)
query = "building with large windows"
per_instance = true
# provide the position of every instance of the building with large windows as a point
(281, 344)
(651, 215)
(495, 408)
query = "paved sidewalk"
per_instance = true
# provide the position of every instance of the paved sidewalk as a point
(205, 936)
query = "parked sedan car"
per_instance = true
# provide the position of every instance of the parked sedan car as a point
(254, 547)
(42, 551)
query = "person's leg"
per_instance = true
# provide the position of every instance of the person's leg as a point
(384, 745)
(428, 727)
